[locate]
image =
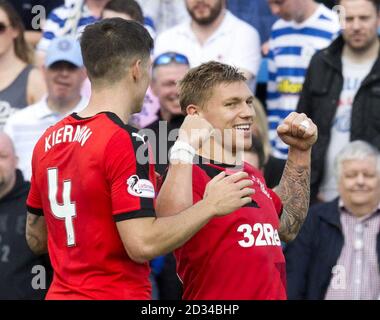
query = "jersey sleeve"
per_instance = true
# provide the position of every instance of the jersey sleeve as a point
(276, 201)
(34, 202)
(200, 181)
(130, 177)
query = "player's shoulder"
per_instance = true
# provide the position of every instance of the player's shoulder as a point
(119, 134)
(205, 168)
(120, 127)
(53, 127)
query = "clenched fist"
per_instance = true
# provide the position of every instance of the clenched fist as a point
(195, 130)
(298, 131)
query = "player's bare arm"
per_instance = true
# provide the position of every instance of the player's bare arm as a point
(176, 192)
(300, 133)
(294, 191)
(146, 238)
(36, 233)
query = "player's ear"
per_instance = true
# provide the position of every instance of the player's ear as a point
(192, 109)
(136, 69)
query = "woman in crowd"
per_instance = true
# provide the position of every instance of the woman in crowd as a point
(21, 84)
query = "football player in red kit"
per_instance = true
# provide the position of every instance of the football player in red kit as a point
(91, 202)
(238, 256)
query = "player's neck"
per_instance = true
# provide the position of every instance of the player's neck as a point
(115, 99)
(214, 151)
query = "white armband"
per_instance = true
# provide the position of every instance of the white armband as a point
(182, 151)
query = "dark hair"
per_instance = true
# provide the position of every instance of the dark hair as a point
(376, 4)
(22, 49)
(197, 85)
(129, 7)
(111, 45)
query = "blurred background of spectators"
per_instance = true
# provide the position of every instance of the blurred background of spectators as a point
(336, 255)
(211, 35)
(68, 19)
(256, 13)
(64, 75)
(340, 93)
(23, 275)
(29, 11)
(21, 83)
(304, 28)
(164, 14)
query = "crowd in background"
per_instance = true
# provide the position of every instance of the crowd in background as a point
(296, 57)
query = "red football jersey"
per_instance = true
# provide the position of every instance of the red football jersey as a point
(238, 256)
(85, 179)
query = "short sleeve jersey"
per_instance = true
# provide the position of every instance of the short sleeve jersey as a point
(238, 256)
(87, 174)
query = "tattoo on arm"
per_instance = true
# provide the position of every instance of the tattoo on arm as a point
(36, 235)
(294, 191)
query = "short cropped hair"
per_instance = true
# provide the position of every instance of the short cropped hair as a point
(197, 85)
(111, 45)
(356, 150)
(129, 7)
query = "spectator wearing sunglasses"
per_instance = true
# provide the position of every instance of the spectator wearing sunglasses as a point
(168, 69)
(20, 83)
(213, 33)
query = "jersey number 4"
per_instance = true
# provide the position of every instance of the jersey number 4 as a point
(65, 211)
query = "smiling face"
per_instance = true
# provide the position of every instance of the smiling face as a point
(230, 111)
(359, 182)
(164, 86)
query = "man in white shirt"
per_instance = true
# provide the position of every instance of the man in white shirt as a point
(64, 74)
(213, 33)
(164, 13)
